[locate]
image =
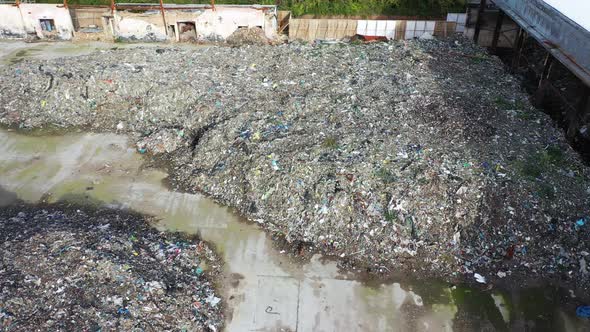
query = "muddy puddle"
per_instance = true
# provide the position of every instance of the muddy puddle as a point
(13, 52)
(264, 289)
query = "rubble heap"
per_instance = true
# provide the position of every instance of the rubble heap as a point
(423, 153)
(248, 36)
(66, 270)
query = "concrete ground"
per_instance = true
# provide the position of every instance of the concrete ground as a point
(13, 51)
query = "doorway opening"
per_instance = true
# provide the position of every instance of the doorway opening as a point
(187, 31)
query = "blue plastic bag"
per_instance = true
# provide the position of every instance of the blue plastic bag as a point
(583, 311)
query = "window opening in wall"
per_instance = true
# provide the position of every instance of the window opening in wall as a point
(172, 31)
(47, 24)
(187, 31)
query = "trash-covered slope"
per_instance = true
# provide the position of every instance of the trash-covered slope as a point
(379, 153)
(63, 269)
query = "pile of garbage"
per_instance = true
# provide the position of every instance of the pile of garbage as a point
(248, 36)
(63, 269)
(420, 154)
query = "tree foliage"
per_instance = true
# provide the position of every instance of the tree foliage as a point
(327, 7)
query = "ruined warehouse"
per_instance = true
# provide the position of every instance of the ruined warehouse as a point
(134, 22)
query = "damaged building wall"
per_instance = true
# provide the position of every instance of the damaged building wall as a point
(47, 21)
(50, 21)
(223, 21)
(199, 23)
(145, 26)
(89, 17)
(92, 23)
(181, 24)
(11, 22)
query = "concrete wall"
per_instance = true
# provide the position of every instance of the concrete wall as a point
(222, 22)
(88, 17)
(32, 13)
(11, 22)
(18, 22)
(210, 24)
(146, 26)
(92, 23)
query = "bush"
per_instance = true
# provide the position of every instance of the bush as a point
(326, 7)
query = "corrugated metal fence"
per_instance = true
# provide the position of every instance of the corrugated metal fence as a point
(312, 29)
(326, 29)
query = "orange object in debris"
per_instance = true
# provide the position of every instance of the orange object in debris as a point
(373, 38)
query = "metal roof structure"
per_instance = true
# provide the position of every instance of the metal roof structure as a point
(563, 36)
(576, 10)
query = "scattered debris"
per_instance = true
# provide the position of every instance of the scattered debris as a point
(421, 151)
(64, 269)
(479, 278)
(583, 311)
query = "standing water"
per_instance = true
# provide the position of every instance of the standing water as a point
(264, 290)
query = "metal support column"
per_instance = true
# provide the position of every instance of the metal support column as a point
(575, 116)
(544, 80)
(163, 17)
(497, 31)
(547, 66)
(480, 10)
(583, 102)
(518, 48)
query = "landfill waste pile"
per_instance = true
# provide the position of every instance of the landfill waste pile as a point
(63, 269)
(420, 155)
(248, 36)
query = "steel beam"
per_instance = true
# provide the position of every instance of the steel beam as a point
(544, 80)
(583, 102)
(575, 115)
(517, 48)
(480, 10)
(163, 17)
(547, 66)
(497, 31)
(566, 40)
